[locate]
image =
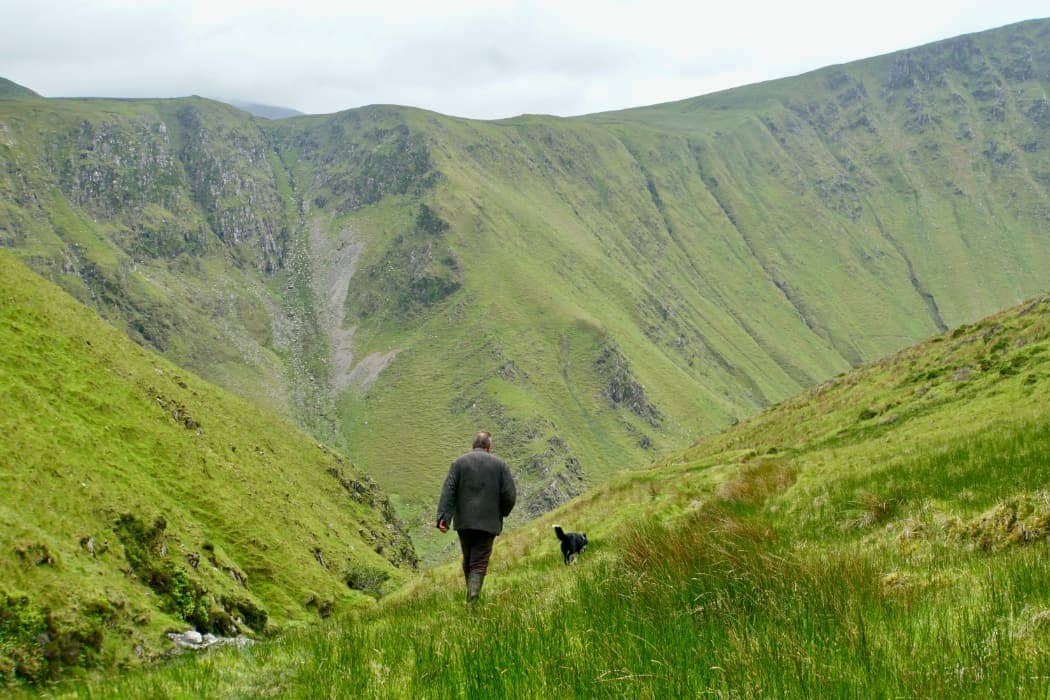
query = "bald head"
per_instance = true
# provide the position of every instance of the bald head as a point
(483, 440)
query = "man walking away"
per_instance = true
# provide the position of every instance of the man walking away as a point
(478, 494)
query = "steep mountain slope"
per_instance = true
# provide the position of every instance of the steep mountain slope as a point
(159, 214)
(12, 89)
(136, 498)
(596, 291)
(882, 534)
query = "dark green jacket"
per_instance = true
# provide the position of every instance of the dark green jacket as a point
(478, 493)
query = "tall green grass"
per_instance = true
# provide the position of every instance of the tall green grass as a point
(695, 611)
(740, 598)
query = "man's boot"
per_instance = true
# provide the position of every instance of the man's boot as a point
(474, 582)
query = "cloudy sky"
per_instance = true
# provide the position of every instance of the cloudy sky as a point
(474, 59)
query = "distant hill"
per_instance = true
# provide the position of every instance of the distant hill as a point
(265, 111)
(12, 89)
(136, 498)
(596, 291)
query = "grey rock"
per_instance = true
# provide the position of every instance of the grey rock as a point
(194, 640)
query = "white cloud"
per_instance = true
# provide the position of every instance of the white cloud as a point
(465, 58)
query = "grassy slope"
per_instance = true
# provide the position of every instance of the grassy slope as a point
(725, 251)
(102, 438)
(882, 534)
(9, 88)
(965, 123)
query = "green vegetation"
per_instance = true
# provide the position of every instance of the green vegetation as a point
(138, 499)
(12, 89)
(811, 551)
(597, 291)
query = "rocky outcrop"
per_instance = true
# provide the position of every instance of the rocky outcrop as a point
(358, 157)
(553, 476)
(195, 641)
(181, 180)
(621, 389)
(392, 541)
(233, 181)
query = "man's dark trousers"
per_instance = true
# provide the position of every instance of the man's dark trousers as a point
(477, 548)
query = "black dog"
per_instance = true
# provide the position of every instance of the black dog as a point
(572, 543)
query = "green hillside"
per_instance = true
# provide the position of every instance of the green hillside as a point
(884, 534)
(596, 291)
(138, 499)
(12, 89)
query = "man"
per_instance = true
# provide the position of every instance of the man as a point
(478, 494)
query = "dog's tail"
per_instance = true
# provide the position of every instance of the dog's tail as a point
(559, 532)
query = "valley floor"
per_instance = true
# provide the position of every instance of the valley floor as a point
(883, 535)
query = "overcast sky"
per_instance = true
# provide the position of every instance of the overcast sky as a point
(473, 59)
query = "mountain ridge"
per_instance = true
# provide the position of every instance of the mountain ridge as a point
(266, 111)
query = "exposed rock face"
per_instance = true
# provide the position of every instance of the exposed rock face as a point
(359, 157)
(621, 388)
(393, 542)
(550, 477)
(234, 183)
(559, 487)
(176, 182)
(116, 167)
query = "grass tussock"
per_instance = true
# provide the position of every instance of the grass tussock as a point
(1020, 520)
(756, 481)
(870, 509)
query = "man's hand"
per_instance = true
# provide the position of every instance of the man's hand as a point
(442, 525)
